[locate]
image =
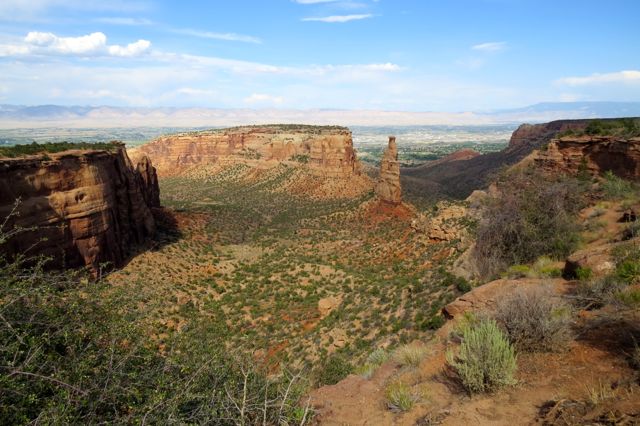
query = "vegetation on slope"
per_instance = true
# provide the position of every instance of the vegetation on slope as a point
(530, 215)
(75, 352)
(53, 147)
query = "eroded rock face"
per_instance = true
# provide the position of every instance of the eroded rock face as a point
(592, 154)
(388, 188)
(88, 207)
(150, 188)
(328, 151)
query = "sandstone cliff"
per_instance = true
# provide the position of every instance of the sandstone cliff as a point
(388, 188)
(327, 151)
(87, 206)
(592, 154)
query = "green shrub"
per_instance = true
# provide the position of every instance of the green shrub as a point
(486, 360)
(333, 369)
(410, 355)
(400, 396)
(616, 188)
(517, 271)
(583, 273)
(433, 323)
(374, 360)
(535, 320)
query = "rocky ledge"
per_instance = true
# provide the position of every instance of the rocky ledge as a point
(592, 154)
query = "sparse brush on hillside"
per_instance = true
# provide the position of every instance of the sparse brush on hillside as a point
(532, 215)
(52, 147)
(535, 320)
(73, 352)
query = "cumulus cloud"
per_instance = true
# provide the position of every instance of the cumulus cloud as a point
(493, 46)
(340, 18)
(94, 44)
(621, 77)
(219, 36)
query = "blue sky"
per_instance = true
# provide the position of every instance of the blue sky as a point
(406, 55)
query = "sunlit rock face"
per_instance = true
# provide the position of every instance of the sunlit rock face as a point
(83, 207)
(388, 188)
(325, 150)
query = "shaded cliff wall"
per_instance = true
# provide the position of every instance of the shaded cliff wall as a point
(87, 207)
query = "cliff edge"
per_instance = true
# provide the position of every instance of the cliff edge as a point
(78, 207)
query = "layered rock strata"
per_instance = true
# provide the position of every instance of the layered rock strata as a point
(388, 188)
(78, 207)
(327, 151)
(592, 154)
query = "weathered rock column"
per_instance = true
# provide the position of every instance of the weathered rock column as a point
(388, 188)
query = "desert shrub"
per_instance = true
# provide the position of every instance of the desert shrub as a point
(597, 292)
(374, 360)
(616, 188)
(433, 323)
(627, 262)
(400, 396)
(335, 368)
(517, 271)
(629, 297)
(532, 215)
(486, 360)
(410, 355)
(583, 273)
(71, 352)
(535, 320)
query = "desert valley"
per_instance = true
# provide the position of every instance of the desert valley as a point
(276, 249)
(319, 212)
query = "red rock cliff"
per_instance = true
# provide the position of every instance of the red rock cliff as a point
(328, 150)
(89, 206)
(592, 154)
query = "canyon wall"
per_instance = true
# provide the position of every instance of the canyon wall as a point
(327, 151)
(86, 207)
(592, 154)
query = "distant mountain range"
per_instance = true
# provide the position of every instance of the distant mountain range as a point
(19, 116)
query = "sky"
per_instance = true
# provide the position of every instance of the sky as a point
(398, 55)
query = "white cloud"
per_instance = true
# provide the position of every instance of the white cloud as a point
(219, 36)
(94, 44)
(621, 77)
(261, 98)
(340, 18)
(494, 46)
(124, 21)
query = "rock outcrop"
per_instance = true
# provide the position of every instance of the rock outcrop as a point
(327, 151)
(592, 154)
(84, 207)
(388, 188)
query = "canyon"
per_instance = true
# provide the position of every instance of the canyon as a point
(78, 207)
